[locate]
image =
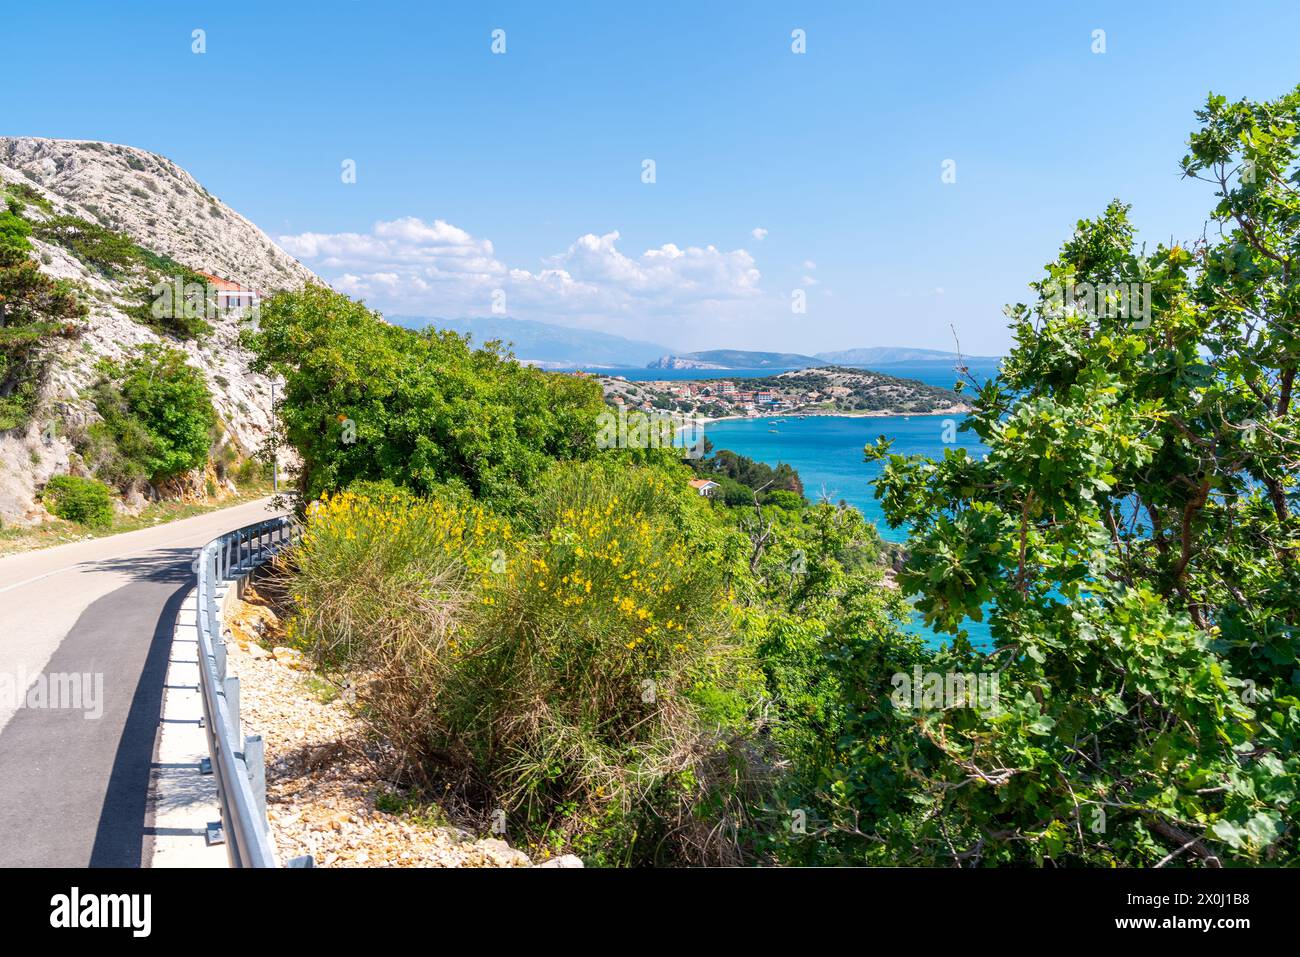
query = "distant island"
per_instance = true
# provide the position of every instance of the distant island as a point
(827, 390)
(551, 346)
(897, 355)
(734, 359)
(545, 344)
(874, 356)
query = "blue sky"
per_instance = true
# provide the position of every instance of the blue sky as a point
(522, 172)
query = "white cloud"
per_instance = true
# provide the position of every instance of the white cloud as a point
(668, 275)
(436, 248)
(437, 269)
(809, 264)
(759, 233)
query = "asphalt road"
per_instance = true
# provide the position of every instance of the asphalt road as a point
(74, 769)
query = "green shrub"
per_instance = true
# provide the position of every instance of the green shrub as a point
(576, 672)
(25, 194)
(384, 490)
(733, 493)
(251, 471)
(81, 500)
(1130, 538)
(790, 501)
(110, 252)
(14, 230)
(224, 459)
(725, 464)
(34, 310)
(118, 448)
(157, 418)
(159, 306)
(364, 399)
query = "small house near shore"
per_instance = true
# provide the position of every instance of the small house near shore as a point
(705, 487)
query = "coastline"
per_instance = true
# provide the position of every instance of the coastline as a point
(866, 414)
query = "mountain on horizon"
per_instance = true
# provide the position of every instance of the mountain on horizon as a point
(874, 356)
(547, 344)
(890, 355)
(733, 359)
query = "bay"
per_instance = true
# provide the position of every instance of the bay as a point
(932, 372)
(827, 452)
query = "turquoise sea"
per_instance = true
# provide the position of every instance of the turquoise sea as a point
(827, 453)
(931, 372)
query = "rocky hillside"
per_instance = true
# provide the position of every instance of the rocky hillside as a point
(156, 203)
(163, 209)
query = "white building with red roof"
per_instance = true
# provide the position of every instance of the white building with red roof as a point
(231, 296)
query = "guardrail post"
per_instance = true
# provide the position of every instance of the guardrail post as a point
(212, 593)
(219, 653)
(255, 762)
(231, 684)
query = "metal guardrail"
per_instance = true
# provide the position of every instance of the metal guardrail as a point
(237, 761)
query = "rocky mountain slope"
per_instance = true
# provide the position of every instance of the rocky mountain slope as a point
(156, 203)
(162, 209)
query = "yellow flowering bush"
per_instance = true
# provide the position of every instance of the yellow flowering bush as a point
(392, 553)
(574, 669)
(380, 582)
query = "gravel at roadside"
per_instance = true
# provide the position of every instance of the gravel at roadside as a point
(321, 785)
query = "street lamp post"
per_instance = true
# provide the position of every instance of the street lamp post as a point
(275, 458)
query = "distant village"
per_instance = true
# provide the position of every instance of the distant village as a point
(824, 391)
(728, 397)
